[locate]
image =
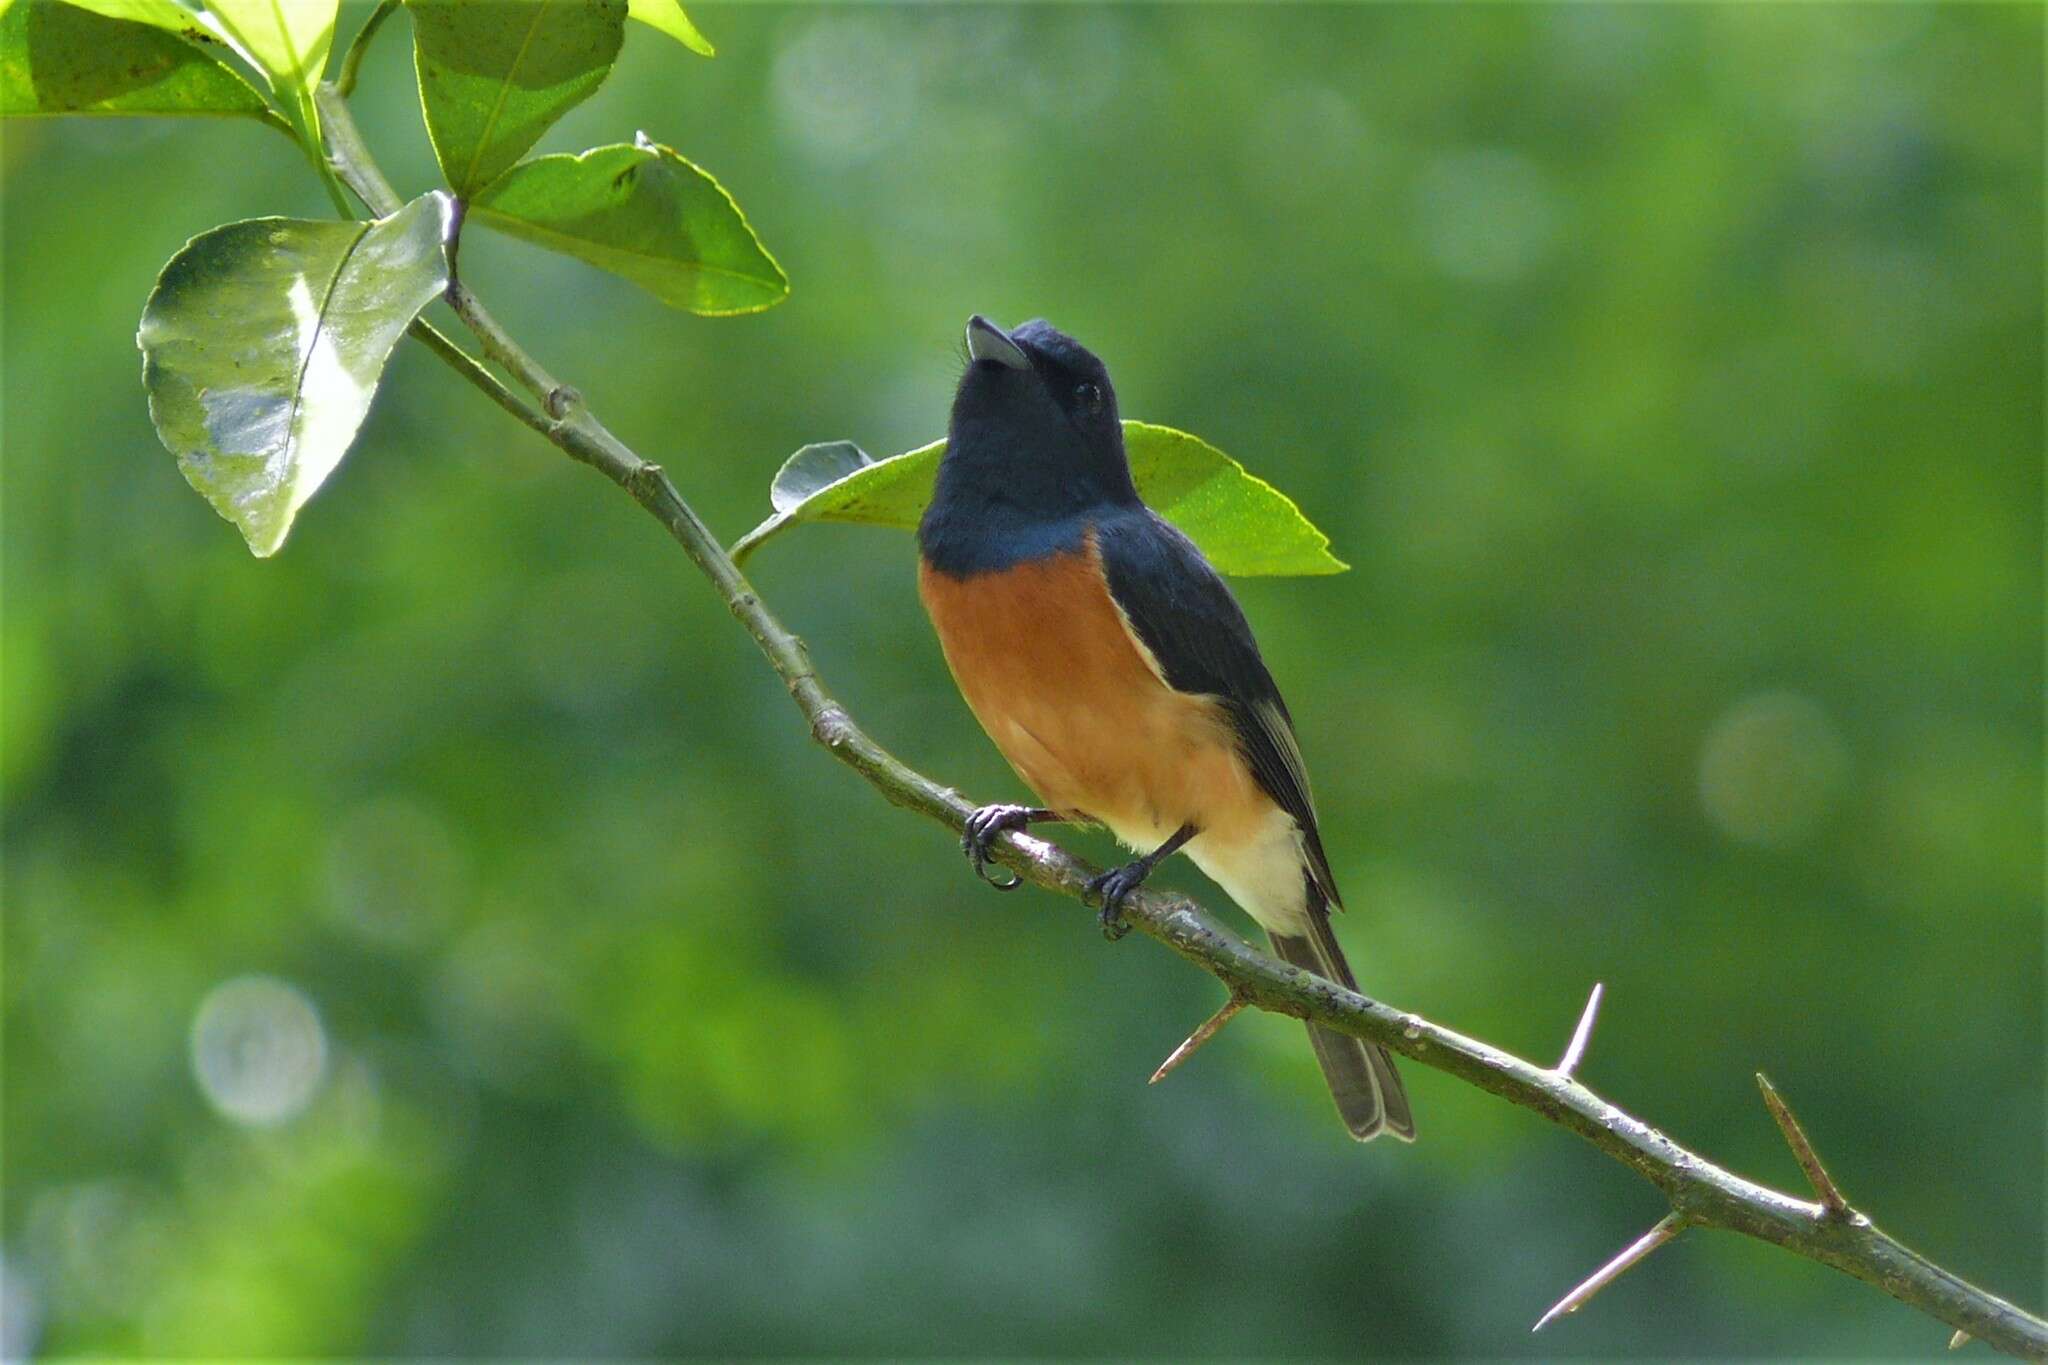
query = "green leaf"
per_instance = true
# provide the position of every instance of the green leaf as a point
(61, 59)
(168, 15)
(496, 74)
(668, 16)
(812, 470)
(287, 40)
(262, 346)
(643, 212)
(1243, 524)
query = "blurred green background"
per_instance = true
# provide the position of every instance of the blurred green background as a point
(445, 938)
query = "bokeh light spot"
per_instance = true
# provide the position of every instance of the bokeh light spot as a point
(258, 1050)
(20, 1313)
(844, 87)
(1487, 214)
(1770, 768)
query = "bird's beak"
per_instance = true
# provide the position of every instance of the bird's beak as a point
(986, 341)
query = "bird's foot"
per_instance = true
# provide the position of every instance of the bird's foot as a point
(983, 827)
(1113, 886)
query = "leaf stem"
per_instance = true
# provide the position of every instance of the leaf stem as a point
(352, 60)
(325, 172)
(348, 157)
(348, 161)
(472, 369)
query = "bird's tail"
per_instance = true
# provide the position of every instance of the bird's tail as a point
(1361, 1075)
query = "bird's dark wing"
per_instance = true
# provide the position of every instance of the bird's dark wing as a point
(1180, 607)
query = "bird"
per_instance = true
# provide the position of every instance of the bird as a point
(1112, 667)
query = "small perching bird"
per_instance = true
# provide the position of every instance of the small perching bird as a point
(1114, 670)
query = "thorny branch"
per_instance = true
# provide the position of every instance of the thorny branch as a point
(1206, 1030)
(1817, 1175)
(1575, 1051)
(1700, 1193)
(1667, 1227)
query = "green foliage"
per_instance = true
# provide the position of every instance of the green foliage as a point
(286, 40)
(263, 343)
(63, 59)
(645, 213)
(496, 74)
(666, 16)
(168, 15)
(1242, 523)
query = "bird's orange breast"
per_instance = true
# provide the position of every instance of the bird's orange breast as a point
(1077, 705)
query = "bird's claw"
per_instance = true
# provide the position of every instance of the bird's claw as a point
(1113, 886)
(983, 828)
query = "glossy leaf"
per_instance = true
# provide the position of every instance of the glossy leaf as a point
(643, 212)
(287, 40)
(812, 470)
(262, 347)
(496, 74)
(668, 16)
(1243, 524)
(62, 59)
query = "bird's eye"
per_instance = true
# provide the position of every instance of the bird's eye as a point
(1088, 397)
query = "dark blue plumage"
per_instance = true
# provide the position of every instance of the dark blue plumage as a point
(1032, 456)
(1189, 619)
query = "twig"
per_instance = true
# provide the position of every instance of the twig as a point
(349, 159)
(1824, 1185)
(1668, 1227)
(348, 156)
(1576, 1049)
(1701, 1193)
(352, 60)
(470, 368)
(1210, 1027)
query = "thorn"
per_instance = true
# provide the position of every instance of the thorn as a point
(1583, 1034)
(1210, 1027)
(1958, 1340)
(1831, 1200)
(1670, 1226)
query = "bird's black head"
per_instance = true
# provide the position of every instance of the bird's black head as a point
(1033, 447)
